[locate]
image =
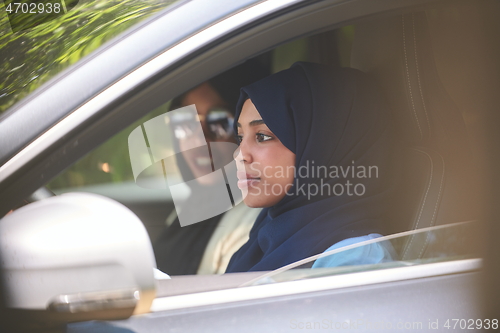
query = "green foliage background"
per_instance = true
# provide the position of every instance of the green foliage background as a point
(30, 57)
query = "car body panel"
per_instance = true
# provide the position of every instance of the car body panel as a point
(415, 302)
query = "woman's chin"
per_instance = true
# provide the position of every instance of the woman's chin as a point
(252, 202)
(258, 201)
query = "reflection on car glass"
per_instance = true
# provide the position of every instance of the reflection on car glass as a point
(461, 240)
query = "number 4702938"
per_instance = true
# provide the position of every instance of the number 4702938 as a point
(471, 324)
(33, 8)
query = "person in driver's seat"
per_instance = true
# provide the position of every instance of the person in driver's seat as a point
(317, 152)
(207, 246)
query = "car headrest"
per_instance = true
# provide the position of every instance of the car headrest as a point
(398, 52)
(389, 49)
(414, 58)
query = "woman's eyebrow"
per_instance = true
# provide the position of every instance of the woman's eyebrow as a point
(256, 122)
(253, 123)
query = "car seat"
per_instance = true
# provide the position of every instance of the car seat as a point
(440, 181)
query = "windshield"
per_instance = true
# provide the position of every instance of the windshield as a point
(33, 53)
(430, 245)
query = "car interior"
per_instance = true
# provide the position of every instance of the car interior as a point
(441, 169)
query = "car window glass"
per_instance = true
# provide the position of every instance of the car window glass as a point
(61, 41)
(456, 241)
(109, 169)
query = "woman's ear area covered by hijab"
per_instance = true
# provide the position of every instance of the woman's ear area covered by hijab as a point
(265, 166)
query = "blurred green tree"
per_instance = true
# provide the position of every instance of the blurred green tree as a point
(30, 57)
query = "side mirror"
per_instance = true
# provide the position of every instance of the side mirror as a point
(75, 257)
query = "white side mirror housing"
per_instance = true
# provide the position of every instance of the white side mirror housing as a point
(77, 254)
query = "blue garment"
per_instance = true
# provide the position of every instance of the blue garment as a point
(374, 253)
(334, 118)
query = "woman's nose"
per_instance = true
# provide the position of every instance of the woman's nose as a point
(242, 155)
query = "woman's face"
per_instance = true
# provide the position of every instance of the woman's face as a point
(265, 165)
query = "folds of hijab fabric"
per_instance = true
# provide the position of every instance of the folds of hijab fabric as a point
(332, 119)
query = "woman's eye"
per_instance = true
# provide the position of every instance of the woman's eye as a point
(262, 137)
(239, 138)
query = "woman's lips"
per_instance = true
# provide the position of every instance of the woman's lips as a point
(245, 180)
(245, 183)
